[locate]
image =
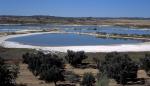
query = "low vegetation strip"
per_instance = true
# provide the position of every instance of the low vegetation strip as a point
(126, 22)
(144, 37)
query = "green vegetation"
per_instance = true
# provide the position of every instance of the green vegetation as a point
(102, 80)
(40, 19)
(88, 79)
(146, 62)
(144, 37)
(1, 61)
(48, 66)
(8, 74)
(135, 56)
(75, 58)
(119, 67)
(52, 74)
(13, 53)
(71, 77)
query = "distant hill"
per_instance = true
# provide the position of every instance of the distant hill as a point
(41, 19)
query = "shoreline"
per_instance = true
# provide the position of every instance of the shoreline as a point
(145, 46)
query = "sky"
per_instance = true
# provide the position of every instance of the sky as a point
(77, 8)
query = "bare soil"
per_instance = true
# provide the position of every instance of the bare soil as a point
(26, 77)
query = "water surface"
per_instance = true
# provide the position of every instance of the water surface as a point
(82, 28)
(110, 29)
(68, 40)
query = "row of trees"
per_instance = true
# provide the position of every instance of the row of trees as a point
(115, 65)
(48, 67)
(8, 73)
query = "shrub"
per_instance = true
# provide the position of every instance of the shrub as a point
(75, 58)
(72, 77)
(37, 60)
(47, 66)
(146, 62)
(52, 74)
(102, 80)
(119, 66)
(88, 79)
(8, 74)
(1, 61)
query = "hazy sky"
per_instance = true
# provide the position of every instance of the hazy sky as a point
(77, 8)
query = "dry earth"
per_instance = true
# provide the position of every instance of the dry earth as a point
(26, 77)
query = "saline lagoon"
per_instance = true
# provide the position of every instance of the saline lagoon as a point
(69, 38)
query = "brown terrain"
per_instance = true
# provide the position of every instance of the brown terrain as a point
(25, 77)
(138, 22)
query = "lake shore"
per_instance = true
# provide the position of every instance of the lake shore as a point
(97, 48)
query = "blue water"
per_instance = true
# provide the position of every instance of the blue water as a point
(109, 29)
(83, 28)
(68, 40)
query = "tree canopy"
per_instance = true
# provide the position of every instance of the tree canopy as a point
(8, 74)
(48, 66)
(119, 66)
(146, 62)
(75, 58)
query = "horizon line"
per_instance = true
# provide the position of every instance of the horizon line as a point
(75, 16)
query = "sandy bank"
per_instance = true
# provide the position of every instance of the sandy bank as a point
(98, 48)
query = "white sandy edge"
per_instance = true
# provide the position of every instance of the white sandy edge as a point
(98, 48)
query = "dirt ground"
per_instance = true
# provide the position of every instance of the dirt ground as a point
(80, 71)
(26, 77)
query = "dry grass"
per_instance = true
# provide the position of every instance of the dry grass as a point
(80, 71)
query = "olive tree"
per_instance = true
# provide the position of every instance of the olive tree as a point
(52, 74)
(48, 67)
(75, 58)
(146, 62)
(119, 66)
(8, 74)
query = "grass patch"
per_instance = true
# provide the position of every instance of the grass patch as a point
(135, 56)
(13, 53)
(16, 53)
